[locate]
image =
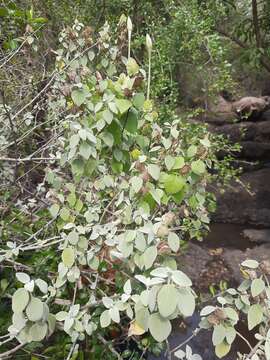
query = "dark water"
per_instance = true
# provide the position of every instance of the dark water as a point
(227, 236)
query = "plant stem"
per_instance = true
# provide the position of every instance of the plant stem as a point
(149, 76)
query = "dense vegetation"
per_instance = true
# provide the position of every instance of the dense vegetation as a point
(105, 174)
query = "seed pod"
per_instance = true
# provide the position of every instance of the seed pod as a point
(168, 218)
(162, 231)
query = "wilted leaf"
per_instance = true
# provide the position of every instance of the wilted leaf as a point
(135, 329)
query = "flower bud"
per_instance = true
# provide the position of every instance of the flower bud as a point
(149, 43)
(129, 25)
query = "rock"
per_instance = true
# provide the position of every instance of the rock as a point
(234, 257)
(257, 236)
(252, 150)
(245, 131)
(239, 206)
(251, 107)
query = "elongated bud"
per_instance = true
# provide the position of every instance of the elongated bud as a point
(129, 25)
(149, 43)
(122, 20)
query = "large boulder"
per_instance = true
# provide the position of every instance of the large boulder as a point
(249, 207)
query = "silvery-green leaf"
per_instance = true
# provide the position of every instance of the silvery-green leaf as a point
(154, 171)
(222, 349)
(252, 264)
(61, 315)
(38, 331)
(230, 335)
(257, 286)
(18, 321)
(136, 183)
(219, 334)
(207, 310)
(30, 286)
(78, 96)
(144, 297)
(108, 139)
(160, 272)
(173, 241)
(142, 318)
(180, 354)
(231, 313)
(255, 316)
(34, 310)
(114, 314)
(186, 302)
(23, 277)
(267, 350)
(126, 248)
(181, 278)
(105, 319)
(54, 210)
(20, 300)
(85, 150)
(73, 237)
(68, 257)
(107, 302)
(167, 300)
(150, 255)
(140, 242)
(74, 310)
(68, 323)
(107, 116)
(169, 162)
(159, 327)
(127, 287)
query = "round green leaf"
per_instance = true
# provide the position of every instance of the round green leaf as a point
(173, 183)
(222, 349)
(198, 167)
